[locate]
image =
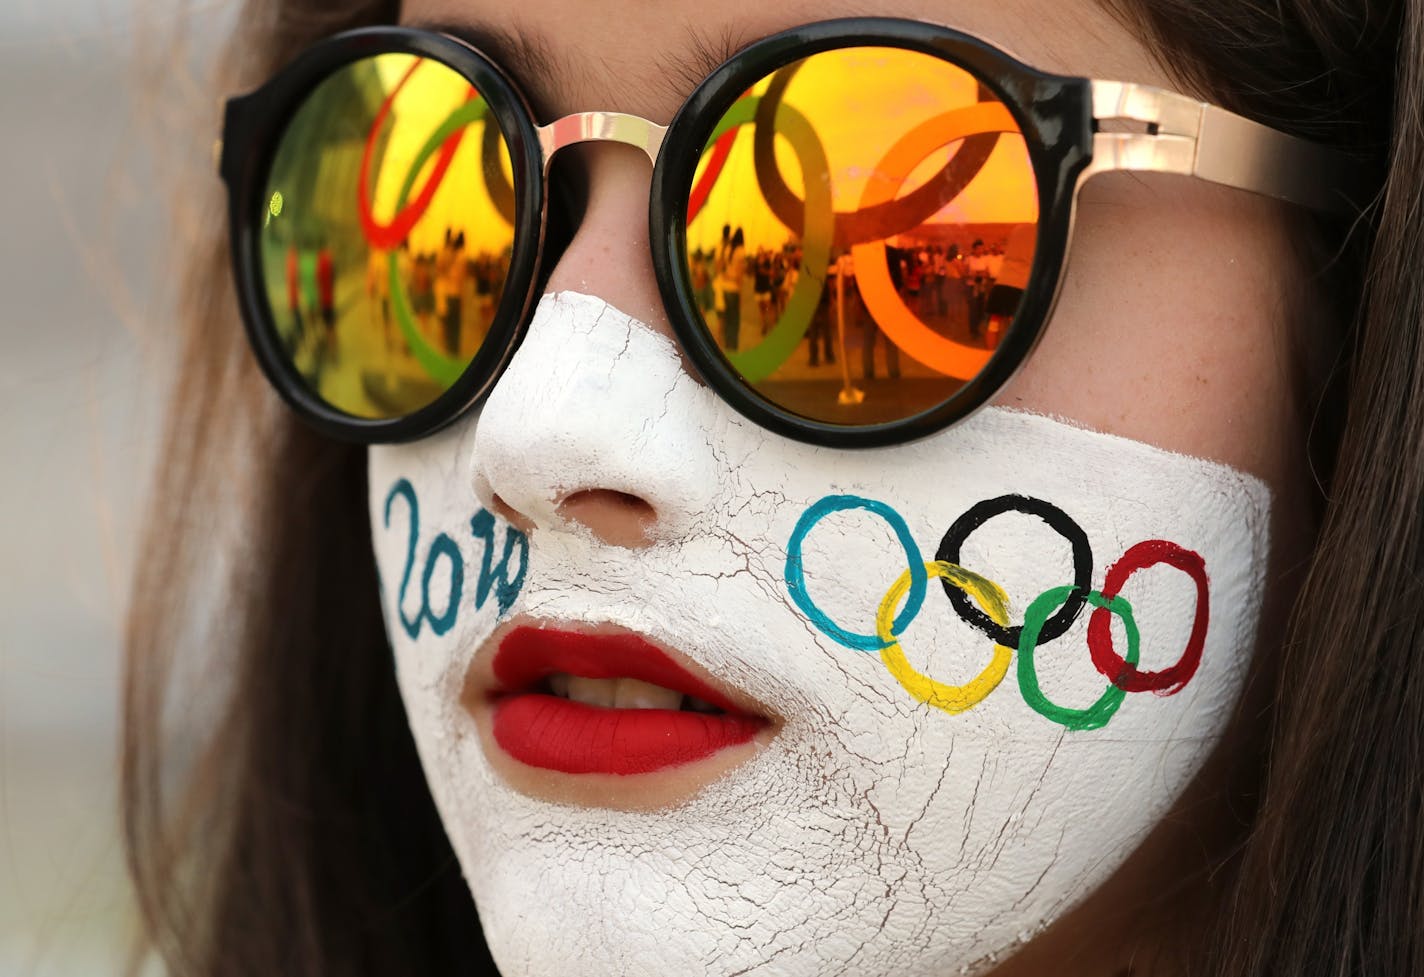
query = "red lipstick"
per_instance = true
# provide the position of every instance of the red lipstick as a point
(540, 728)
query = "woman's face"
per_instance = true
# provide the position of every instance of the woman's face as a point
(625, 618)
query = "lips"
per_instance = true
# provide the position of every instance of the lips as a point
(577, 702)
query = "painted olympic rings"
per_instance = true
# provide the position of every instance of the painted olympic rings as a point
(796, 575)
(1123, 672)
(1058, 521)
(951, 698)
(982, 604)
(1097, 715)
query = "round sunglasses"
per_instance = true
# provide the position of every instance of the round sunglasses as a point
(858, 227)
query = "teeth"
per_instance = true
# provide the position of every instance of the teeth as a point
(614, 693)
(593, 691)
(633, 694)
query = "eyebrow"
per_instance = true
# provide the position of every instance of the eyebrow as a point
(524, 57)
(706, 53)
(528, 58)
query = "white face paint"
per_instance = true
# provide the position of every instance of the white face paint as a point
(875, 835)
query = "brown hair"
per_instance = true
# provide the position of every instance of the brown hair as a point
(299, 837)
(1330, 879)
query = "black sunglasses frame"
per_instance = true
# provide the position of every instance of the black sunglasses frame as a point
(252, 130)
(1054, 114)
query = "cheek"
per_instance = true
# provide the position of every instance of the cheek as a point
(1171, 328)
(449, 570)
(1018, 586)
(1002, 655)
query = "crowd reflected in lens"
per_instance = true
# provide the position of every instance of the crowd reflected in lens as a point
(387, 234)
(862, 225)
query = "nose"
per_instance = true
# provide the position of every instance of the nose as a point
(609, 255)
(595, 426)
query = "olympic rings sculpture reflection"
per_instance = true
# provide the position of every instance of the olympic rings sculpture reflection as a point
(883, 213)
(904, 328)
(446, 369)
(983, 605)
(442, 144)
(389, 235)
(781, 341)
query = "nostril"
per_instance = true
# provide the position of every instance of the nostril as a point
(625, 503)
(628, 502)
(511, 515)
(618, 518)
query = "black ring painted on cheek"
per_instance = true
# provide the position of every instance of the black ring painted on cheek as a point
(1057, 520)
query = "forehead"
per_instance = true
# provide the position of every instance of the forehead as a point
(644, 57)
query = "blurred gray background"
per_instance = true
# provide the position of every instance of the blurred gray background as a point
(85, 292)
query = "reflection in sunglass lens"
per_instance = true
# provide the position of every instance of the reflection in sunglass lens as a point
(861, 227)
(386, 231)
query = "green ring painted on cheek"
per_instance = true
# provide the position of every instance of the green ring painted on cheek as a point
(1097, 715)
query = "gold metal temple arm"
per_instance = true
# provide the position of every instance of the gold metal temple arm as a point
(1198, 139)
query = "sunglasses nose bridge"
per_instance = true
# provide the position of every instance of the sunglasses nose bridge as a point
(630, 130)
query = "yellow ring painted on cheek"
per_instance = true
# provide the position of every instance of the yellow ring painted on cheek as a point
(951, 698)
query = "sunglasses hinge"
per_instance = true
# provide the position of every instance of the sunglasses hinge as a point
(1155, 111)
(1178, 134)
(1141, 128)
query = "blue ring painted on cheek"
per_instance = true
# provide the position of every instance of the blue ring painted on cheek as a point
(796, 574)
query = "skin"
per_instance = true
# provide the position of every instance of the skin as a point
(1171, 330)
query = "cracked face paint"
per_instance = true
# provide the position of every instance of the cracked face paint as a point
(877, 833)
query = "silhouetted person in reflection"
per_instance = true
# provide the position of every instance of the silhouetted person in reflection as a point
(956, 294)
(452, 283)
(700, 269)
(824, 322)
(733, 272)
(378, 292)
(978, 284)
(897, 260)
(1003, 302)
(294, 298)
(326, 296)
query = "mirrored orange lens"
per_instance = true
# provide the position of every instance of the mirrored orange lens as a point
(386, 233)
(861, 227)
